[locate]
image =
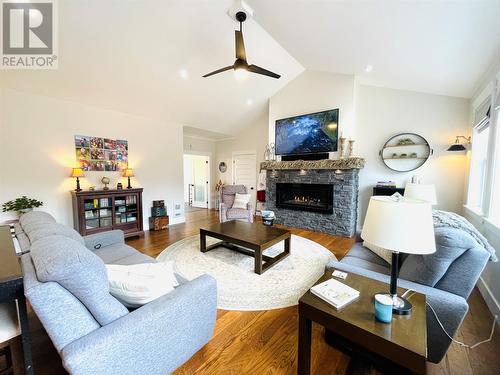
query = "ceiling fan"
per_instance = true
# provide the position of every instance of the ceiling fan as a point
(241, 57)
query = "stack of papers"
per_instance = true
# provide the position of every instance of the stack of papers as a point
(335, 293)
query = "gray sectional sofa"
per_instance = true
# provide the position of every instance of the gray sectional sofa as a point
(66, 284)
(446, 277)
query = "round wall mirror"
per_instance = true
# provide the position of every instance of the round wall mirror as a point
(222, 167)
(405, 152)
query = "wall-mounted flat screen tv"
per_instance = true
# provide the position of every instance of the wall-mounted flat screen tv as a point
(307, 134)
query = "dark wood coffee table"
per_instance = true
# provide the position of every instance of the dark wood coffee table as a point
(399, 347)
(249, 239)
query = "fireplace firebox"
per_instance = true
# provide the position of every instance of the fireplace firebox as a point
(305, 197)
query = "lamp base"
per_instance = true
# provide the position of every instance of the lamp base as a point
(400, 305)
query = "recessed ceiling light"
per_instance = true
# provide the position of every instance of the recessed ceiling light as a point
(249, 101)
(368, 68)
(183, 73)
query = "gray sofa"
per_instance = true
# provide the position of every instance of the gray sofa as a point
(446, 277)
(66, 284)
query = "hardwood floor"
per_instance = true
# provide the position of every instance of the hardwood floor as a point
(265, 342)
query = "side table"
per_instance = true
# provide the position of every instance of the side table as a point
(398, 347)
(12, 289)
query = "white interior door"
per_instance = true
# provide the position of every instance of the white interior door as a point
(245, 173)
(196, 180)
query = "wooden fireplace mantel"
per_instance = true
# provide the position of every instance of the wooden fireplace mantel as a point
(345, 163)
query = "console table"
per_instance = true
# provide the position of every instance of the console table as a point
(12, 290)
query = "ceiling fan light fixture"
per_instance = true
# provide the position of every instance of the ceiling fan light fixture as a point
(240, 73)
(241, 67)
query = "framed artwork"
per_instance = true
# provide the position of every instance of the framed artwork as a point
(101, 154)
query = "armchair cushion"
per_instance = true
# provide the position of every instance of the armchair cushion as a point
(236, 213)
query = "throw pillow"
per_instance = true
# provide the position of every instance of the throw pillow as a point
(138, 284)
(241, 201)
(380, 251)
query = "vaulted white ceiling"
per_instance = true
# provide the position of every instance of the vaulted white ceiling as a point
(433, 46)
(127, 55)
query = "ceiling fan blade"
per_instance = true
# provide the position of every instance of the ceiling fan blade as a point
(218, 71)
(240, 46)
(257, 69)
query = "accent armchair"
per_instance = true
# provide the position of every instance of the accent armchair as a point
(226, 212)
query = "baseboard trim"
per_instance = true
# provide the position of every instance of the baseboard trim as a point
(489, 298)
(177, 220)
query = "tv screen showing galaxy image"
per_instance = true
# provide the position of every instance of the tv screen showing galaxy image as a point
(307, 134)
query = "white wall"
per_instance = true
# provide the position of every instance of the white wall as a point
(37, 152)
(314, 91)
(382, 113)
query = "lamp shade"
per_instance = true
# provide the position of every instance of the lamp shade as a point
(128, 173)
(425, 192)
(77, 172)
(400, 225)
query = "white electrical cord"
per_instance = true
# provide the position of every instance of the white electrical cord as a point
(447, 334)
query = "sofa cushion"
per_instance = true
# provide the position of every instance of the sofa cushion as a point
(428, 269)
(65, 261)
(362, 252)
(136, 258)
(113, 253)
(34, 218)
(384, 254)
(51, 229)
(367, 265)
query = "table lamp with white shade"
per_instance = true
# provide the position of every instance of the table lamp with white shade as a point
(399, 225)
(425, 192)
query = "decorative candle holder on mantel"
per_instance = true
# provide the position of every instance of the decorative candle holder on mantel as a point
(342, 146)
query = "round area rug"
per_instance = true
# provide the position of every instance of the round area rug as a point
(239, 288)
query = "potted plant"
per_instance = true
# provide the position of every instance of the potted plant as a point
(21, 205)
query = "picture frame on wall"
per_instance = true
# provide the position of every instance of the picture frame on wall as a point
(101, 154)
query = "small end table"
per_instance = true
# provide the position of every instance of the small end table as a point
(12, 289)
(398, 347)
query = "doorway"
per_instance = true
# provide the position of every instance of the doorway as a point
(196, 181)
(245, 172)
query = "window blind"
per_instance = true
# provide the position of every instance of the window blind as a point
(482, 113)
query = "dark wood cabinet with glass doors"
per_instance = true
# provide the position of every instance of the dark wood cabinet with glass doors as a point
(103, 210)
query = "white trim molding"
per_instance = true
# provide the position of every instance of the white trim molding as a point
(489, 298)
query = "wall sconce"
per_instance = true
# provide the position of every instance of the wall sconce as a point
(457, 146)
(302, 172)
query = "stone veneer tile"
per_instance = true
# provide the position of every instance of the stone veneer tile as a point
(341, 222)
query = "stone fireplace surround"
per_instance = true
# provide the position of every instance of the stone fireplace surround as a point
(341, 173)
